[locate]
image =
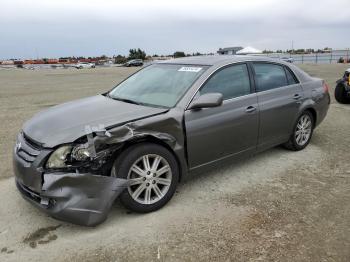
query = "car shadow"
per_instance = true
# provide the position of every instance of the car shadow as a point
(218, 170)
(120, 215)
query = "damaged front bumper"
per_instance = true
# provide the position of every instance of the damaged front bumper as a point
(79, 198)
(82, 199)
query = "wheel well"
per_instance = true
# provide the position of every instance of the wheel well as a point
(149, 139)
(313, 113)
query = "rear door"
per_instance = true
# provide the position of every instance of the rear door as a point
(279, 97)
(232, 128)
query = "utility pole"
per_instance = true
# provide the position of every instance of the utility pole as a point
(36, 52)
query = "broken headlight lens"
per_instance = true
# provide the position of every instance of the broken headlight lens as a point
(80, 153)
(67, 153)
(59, 157)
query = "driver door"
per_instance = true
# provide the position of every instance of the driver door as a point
(232, 128)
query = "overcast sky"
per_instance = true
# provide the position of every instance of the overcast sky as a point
(53, 28)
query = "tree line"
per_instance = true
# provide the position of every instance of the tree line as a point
(141, 54)
(300, 51)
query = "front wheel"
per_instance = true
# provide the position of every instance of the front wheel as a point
(152, 173)
(302, 132)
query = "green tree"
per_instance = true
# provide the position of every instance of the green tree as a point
(178, 54)
(136, 54)
(119, 59)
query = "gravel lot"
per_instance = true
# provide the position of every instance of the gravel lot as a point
(276, 206)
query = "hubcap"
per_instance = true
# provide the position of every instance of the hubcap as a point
(149, 179)
(303, 130)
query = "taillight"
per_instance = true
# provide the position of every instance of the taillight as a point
(325, 87)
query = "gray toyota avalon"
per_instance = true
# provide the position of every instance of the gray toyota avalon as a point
(137, 141)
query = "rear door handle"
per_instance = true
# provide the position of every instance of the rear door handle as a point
(296, 97)
(250, 109)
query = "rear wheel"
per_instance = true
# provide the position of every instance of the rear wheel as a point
(152, 173)
(340, 94)
(302, 132)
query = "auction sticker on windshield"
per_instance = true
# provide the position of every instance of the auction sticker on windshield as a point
(190, 69)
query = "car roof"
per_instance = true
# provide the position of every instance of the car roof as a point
(217, 61)
(212, 60)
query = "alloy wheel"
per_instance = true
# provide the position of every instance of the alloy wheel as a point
(303, 130)
(149, 179)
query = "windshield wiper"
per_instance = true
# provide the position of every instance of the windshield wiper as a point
(124, 100)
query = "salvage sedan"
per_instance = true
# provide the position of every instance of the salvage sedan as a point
(139, 140)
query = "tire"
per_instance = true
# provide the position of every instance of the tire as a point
(340, 94)
(299, 142)
(152, 190)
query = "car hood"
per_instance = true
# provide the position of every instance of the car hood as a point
(66, 122)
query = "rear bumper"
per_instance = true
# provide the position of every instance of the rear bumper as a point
(322, 109)
(82, 199)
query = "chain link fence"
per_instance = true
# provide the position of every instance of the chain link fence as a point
(336, 56)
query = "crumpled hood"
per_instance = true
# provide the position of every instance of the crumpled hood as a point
(66, 122)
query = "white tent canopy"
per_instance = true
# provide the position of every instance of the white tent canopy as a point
(248, 50)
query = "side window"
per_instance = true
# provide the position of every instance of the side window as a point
(231, 82)
(291, 79)
(269, 76)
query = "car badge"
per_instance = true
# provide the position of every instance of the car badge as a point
(18, 147)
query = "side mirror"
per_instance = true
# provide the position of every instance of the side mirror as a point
(207, 100)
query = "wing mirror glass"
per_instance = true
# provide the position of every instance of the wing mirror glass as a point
(207, 100)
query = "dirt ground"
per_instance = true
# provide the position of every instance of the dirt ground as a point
(276, 206)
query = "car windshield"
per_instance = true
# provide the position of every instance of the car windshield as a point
(159, 85)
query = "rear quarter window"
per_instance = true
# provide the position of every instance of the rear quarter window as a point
(292, 80)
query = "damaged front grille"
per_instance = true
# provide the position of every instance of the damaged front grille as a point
(27, 149)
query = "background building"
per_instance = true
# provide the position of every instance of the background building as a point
(229, 50)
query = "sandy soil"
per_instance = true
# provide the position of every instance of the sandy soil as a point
(276, 206)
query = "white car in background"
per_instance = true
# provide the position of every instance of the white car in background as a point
(287, 59)
(82, 65)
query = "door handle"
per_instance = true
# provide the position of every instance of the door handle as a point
(250, 109)
(296, 97)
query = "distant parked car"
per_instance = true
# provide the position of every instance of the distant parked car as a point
(287, 59)
(135, 62)
(82, 65)
(342, 90)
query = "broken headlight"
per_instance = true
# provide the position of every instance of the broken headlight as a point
(67, 154)
(80, 153)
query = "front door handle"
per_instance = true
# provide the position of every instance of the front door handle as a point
(250, 109)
